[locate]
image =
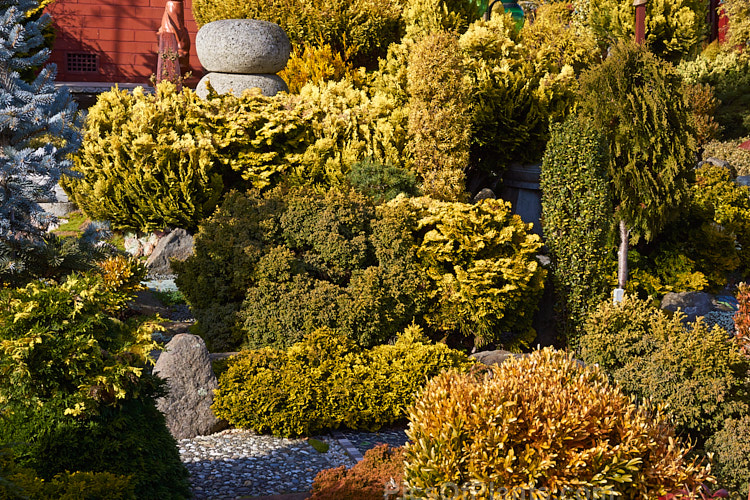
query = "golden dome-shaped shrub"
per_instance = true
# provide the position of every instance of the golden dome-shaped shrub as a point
(541, 423)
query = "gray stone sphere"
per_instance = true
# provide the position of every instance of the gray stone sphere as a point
(227, 82)
(243, 46)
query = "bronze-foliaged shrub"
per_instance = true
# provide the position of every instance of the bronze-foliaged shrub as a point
(542, 421)
(382, 465)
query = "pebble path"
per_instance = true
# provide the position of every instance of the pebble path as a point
(236, 463)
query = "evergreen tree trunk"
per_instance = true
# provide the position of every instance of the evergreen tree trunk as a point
(622, 256)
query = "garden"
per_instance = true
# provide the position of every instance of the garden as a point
(352, 247)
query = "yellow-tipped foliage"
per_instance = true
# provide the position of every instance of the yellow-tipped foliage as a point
(122, 274)
(315, 64)
(326, 382)
(480, 260)
(439, 116)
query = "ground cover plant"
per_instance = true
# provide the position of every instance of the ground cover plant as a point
(326, 382)
(18, 483)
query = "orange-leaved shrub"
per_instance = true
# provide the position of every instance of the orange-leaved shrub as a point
(542, 421)
(378, 474)
(742, 318)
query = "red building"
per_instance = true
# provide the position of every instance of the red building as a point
(102, 42)
(111, 41)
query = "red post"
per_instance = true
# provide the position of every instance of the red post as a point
(713, 20)
(173, 21)
(723, 25)
(640, 20)
(168, 63)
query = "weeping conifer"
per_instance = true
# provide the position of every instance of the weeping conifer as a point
(636, 100)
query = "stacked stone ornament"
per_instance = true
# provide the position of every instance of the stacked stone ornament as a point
(240, 54)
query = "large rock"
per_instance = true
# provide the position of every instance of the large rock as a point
(484, 194)
(224, 83)
(176, 245)
(497, 357)
(242, 46)
(186, 367)
(718, 162)
(59, 209)
(693, 304)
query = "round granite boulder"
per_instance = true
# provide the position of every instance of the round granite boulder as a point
(242, 46)
(224, 83)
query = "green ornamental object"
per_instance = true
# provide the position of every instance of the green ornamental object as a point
(511, 6)
(516, 13)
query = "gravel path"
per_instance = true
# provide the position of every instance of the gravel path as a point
(237, 464)
(363, 441)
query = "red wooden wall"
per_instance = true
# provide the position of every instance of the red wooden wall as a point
(111, 41)
(120, 37)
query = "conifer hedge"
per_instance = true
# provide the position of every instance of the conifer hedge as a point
(577, 220)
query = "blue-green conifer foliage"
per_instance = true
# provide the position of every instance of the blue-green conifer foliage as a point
(39, 128)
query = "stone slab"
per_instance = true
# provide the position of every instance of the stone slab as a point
(225, 83)
(242, 46)
(186, 367)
